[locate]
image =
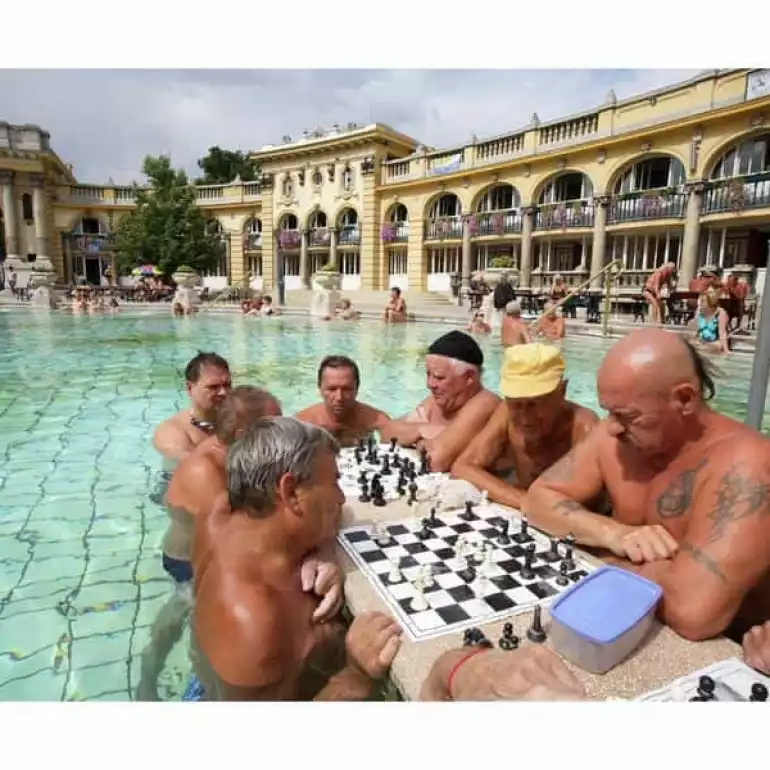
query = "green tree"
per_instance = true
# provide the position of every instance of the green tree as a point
(221, 166)
(166, 229)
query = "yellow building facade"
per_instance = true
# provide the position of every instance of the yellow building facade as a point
(681, 174)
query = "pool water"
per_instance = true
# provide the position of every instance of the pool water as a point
(80, 575)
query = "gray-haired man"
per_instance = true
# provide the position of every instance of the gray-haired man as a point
(253, 632)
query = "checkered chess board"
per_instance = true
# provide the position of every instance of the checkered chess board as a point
(454, 603)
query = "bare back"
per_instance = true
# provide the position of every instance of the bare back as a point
(513, 332)
(253, 633)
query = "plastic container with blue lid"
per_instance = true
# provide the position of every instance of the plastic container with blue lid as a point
(601, 620)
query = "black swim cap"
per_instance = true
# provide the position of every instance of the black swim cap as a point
(456, 344)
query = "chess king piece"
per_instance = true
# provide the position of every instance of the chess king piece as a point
(535, 632)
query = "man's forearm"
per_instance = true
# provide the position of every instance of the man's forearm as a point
(405, 433)
(498, 490)
(560, 516)
(347, 685)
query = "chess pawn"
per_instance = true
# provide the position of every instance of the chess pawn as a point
(419, 602)
(394, 576)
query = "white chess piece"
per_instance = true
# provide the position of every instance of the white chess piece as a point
(485, 498)
(487, 565)
(394, 576)
(419, 602)
(427, 576)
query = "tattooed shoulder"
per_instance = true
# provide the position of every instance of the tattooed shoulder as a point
(742, 492)
(699, 555)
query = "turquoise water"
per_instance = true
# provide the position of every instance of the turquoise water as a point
(80, 575)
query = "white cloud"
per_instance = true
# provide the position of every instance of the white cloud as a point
(105, 121)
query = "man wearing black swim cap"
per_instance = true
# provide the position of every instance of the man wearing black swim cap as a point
(458, 405)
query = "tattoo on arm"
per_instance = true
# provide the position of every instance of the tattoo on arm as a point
(705, 560)
(568, 507)
(677, 497)
(739, 494)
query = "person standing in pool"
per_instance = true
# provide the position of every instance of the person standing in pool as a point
(341, 413)
(208, 380)
(197, 483)
(529, 431)
(457, 408)
(253, 634)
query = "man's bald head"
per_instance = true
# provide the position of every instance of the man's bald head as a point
(653, 383)
(242, 407)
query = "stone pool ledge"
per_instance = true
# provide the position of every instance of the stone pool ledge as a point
(663, 657)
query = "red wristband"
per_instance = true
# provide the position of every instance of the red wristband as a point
(459, 663)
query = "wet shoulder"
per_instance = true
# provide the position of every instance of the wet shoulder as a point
(313, 414)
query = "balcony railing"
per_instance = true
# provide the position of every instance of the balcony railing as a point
(349, 235)
(91, 243)
(126, 194)
(252, 241)
(650, 204)
(495, 223)
(567, 214)
(444, 227)
(737, 194)
(320, 236)
(394, 232)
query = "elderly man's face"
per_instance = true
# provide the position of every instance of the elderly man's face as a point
(321, 499)
(534, 418)
(448, 384)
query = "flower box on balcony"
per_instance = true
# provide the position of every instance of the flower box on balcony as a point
(388, 232)
(289, 239)
(496, 224)
(473, 226)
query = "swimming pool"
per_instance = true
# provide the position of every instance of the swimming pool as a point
(80, 579)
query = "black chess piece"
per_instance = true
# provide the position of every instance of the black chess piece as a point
(552, 554)
(393, 443)
(706, 687)
(569, 552)
(508, 641)
(467, 514)
(378, 495)
(473, 637)
(400, 488)
(424, 469)
(758, 693)
(468, 574)
(385, 470)
(502, 538)
(535, 632)
(563, 579)
(526, 572)
(432, 521)
(425, 533)
(364, 496)
(523, 536)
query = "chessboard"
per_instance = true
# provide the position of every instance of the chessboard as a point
(461, 568)
(729, 680)
(382, 473)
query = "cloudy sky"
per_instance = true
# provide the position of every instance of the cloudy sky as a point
(104, 122)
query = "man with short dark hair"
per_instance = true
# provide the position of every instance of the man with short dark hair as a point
(208, 380)
(456, 409)
(253, 635)
(689, 488)
(341, 413)
(395, 310)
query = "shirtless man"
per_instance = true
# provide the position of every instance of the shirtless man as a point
(253, 635)
(346, 418)
(395, 310)
(513, 331)
(551, 325)
(530, 430)
(653, 292)
(756, 648)
(197, 486)
(208, 381)
(458, 405)
(690, 489)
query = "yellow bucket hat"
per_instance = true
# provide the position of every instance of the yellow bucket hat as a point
(532, 370)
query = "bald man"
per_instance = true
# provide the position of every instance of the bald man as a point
(690, 489)
(458, 405)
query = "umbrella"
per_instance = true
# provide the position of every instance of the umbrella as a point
(146, 270)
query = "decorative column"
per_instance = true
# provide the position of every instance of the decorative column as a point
(304, 265)
(689, 261)
(599, 245)
(40, 212)
(333, 248)
(9, 215)
(526, 246)
(466, 266)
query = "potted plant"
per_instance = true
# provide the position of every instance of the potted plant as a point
(288, 239)
(185, 276)
(498, 267)
(388, 232)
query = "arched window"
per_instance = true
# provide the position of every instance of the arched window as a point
(572, 186)
(750, 156)
(651, 174)
(501, 197)
(447, 205)
(399, 213)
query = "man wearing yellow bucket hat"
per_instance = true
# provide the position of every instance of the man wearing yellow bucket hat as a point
(532, 429)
